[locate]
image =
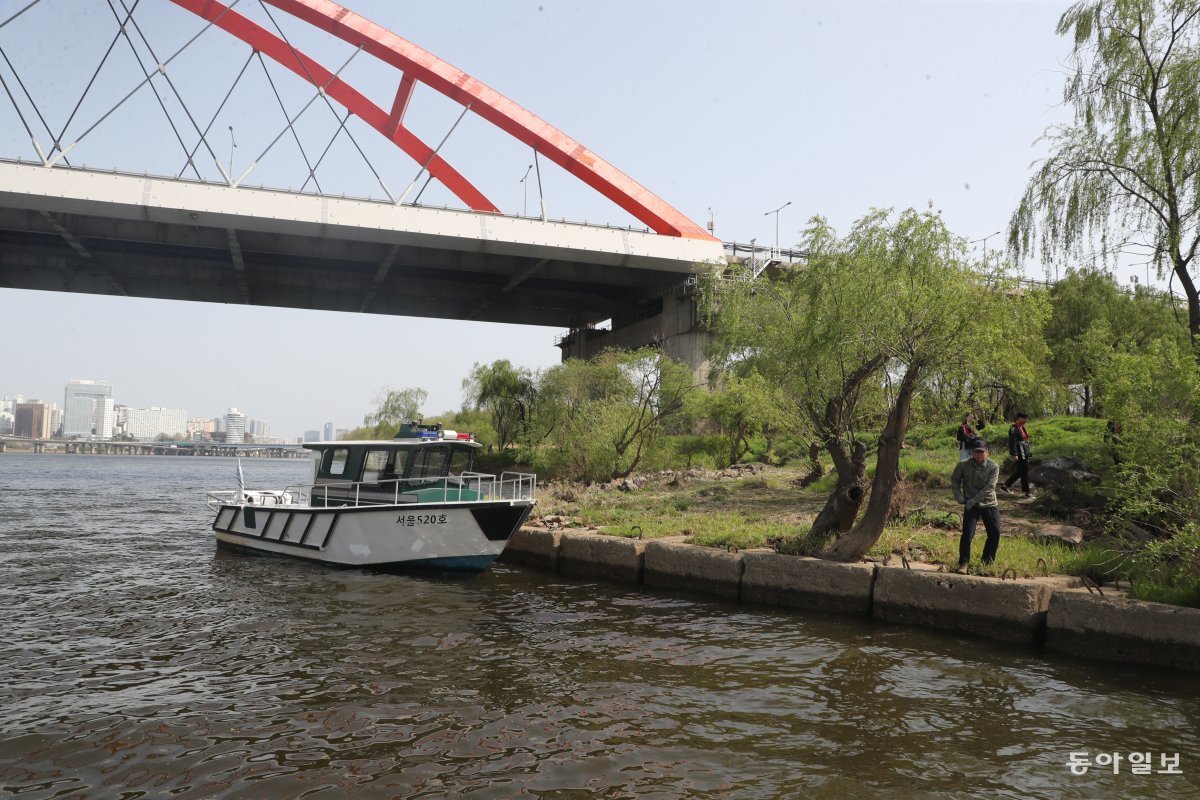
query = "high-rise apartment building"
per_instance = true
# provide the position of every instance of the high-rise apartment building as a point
(147, 424)
(235, 427)
(259, 429)
(105, 418)
(85, 404)
(32, 419)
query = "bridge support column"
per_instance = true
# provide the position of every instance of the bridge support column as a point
(676, 329)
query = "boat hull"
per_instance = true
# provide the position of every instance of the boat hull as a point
(443, 537)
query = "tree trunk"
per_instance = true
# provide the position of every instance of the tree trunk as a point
(843, 503)
(855, 543)
(1193, 299)
(815, 470)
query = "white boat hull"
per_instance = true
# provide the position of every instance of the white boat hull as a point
(444, 536)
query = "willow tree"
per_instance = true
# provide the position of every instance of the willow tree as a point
(852, 335)
(792, 330)
(1124, 176)
(506, 393)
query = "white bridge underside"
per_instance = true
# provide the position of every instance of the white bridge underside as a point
(79, 230)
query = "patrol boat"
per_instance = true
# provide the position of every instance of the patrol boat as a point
(413, 502)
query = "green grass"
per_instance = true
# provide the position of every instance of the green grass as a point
(767, 510)
(1027, 557)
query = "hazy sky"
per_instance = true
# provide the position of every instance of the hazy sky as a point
(738, 108)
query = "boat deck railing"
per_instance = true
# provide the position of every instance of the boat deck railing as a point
(467, 487)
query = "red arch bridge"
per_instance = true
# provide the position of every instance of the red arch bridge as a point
(204, 233)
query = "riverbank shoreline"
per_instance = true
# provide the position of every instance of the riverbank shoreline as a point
(1056, 613)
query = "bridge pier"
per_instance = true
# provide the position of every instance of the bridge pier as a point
(676, 329)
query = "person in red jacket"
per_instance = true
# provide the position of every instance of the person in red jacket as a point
(967, 434)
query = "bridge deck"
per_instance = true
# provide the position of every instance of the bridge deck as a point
(80, 230)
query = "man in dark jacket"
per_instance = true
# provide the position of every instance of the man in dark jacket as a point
(1019, 450)
(974, 485)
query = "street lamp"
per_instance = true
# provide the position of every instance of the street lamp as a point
(232, 145)
(984, 240)
(525, 185)
(776, 213)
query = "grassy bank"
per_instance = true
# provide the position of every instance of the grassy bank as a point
(768, 509)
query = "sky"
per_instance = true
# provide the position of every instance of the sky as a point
(726, 111)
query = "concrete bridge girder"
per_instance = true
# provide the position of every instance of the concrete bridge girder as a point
(172, 239)
(676, 329)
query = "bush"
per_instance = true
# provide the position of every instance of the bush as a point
(1168, 570)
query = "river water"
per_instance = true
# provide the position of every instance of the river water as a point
(138, 660)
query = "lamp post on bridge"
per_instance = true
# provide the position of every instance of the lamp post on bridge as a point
(776, 213)
(232, 147)
(984, 240)
(525, 186)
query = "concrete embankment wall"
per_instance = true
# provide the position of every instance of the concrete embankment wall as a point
(1051, 612)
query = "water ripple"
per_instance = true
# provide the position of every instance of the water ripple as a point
(141, 661)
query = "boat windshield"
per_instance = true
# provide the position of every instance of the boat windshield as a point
(381, 465)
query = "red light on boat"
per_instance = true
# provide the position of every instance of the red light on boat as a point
(467, 436)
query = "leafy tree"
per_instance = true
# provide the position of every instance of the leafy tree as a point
(791, 330)
(1125, 175)
(394, 407)
(597, 419)
(852, 335)
(741, 408)
(506, 393)
(1155, 398)
(1092, 318)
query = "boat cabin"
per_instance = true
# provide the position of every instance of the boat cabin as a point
(422, 458)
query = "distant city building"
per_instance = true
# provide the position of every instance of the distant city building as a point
(312, 436)
(83, 405)
(105, 415)
(329, 431)
(56, 420)
(120, 420)
(341, 432)
(6, 415)
(235, 427)
(200, 428)
(32, 419)
(147, 424)
(259, 429)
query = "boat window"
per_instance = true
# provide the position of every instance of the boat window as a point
(373, 465)
(334, 462)
(430, 462)
(380, 466)
(460, 460)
